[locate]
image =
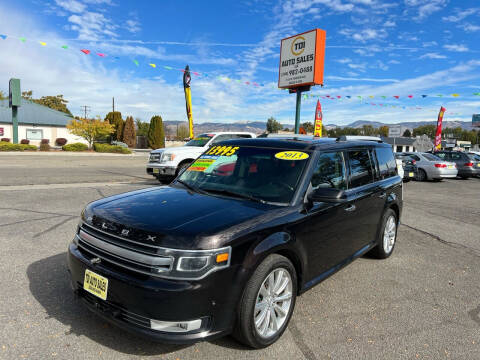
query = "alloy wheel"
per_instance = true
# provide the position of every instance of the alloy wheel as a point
(274, 299)
(389, 234)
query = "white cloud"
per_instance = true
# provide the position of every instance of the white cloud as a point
(365, 34)
(381, 65)
(425, 8)
(362, 67)
(432, 56)
(461, 14)
(341, 78)
(133, 26)
(456, 47)
(470, 27)
(429, 43)
(395, 62)
(389, 23)
(71, 5)
(344, 60)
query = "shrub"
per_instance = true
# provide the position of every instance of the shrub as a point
(115, 119)
(60, 141)
(105, 148)
(6, 146)
(129, 132)
(44, 141)
(5, 140)
(25, 141)
(75, 147)
(156, 133)
(44, 147)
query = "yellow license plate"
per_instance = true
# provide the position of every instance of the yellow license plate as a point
(478, 165)
(95, 284)
(156, 171)
(450, 166)
(410, 174)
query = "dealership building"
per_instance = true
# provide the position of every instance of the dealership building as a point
(36, 122)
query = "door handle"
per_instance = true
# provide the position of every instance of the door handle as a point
(350, 208)
(382, 195)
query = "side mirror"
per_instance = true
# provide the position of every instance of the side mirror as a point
(329, 195)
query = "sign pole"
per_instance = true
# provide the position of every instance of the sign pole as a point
(297, 111)
(15, 124)
(14, 101)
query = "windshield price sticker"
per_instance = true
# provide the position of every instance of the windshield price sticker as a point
(222, 150)
(201, 164)
(291, 155)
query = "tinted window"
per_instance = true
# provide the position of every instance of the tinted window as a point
(330, 171)
(456, 156)
(441, 155)
(386, 162)
(414, 157)
(361, 169)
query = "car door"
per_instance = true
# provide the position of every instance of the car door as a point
(327, 230)
(365, 195)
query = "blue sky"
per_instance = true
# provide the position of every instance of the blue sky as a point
(374, 48)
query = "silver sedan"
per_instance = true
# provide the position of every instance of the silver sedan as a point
(431, 167)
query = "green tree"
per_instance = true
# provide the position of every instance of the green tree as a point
(128, 136)
(273, 126)
(142, 127)
(407, 133)
(286, 129)
(428, 130)
(54, 102)
(368, 130)
(90, 129)
(383, 130)
(27, 94)
(156, 133)
(182, 133)
(115, 119)
(2, 96)
(308, 127)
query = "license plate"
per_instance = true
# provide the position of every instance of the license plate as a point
(95, 284)
(156, 171)
(478, 165)
(450, 166)
(411, 174)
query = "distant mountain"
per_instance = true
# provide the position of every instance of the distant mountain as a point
(259, 127)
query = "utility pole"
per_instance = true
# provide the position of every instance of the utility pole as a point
(113, 104)
(85, 108)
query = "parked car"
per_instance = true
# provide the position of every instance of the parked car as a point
(409, 169)
(475, 156)
(217, 252)
(166, 164)
(467, 166)
(431, 167)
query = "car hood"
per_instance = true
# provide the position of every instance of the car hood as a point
(177, 218)
(178, 149)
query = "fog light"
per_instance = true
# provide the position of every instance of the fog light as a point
(181, 326)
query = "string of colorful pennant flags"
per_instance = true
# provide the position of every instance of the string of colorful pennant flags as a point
(364, 99)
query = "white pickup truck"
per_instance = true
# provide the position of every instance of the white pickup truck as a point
(165, 164)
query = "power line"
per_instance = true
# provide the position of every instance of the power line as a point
(85, 109)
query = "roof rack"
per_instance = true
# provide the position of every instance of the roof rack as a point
(359, 138)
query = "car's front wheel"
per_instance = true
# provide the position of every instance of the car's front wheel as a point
(267, 303)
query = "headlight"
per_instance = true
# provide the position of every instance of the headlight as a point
(168, 157)
(196, 264)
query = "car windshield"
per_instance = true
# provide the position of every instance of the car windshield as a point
(254, 173)
(431, 157)
(200, 140)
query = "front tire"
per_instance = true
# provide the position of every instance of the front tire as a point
(421, 175)
(387, 237)
(267, 303)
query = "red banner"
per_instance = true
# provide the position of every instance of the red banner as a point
(438, 134)
(317, 132)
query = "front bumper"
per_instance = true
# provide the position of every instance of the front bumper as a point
(134, 299)
(160, 170)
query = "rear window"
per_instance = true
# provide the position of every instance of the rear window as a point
(431, 157)
(386, 162)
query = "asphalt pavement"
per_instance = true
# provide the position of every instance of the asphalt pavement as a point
(421, 303)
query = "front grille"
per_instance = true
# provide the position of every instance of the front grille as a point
(114, 310)
(124, 253)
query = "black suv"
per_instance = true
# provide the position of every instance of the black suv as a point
(228, 246)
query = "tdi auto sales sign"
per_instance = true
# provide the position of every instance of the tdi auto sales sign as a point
(301, 59)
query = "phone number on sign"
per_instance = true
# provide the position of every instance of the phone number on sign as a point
(298, 71)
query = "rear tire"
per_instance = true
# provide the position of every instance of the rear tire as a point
(261, 296)
(421, 175)
(387, 237)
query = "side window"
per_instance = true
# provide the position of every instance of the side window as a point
(241, 136)
(441, 155)
(386, 162)
(361, 169)
(455, 156)
(330, 172)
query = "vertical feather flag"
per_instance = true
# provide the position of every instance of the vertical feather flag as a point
(317, 131)
(438, 133)
(188, 99)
